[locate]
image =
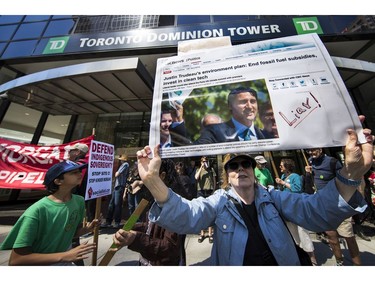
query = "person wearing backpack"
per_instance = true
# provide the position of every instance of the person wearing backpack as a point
(323, 168)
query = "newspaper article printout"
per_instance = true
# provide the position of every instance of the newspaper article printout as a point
(301, 100)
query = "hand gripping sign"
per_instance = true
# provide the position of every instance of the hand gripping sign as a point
(127, 226)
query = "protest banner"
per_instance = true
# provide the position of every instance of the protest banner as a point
(99, 171)
(296, 82)
(23, 166)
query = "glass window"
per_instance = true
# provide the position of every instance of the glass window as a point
(92, 24)
(30, 30)
(150, 21)
(2, 46)
(36, 18)
(6, 32)
(126, 22)
(230, 18)
(84, 126)
(61, 17)
(55, 129)
(193, 19)
(130, 130)
(19, 49)
(19, 123)
(10, 19)
(60, 27)
(166, 20)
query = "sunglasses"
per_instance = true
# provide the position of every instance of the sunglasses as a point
(235, 165)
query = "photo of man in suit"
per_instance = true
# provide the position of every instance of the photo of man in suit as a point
(243, 105)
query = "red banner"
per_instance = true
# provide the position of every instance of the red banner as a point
(23, 166)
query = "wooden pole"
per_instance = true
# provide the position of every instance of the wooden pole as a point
(96, 230)
(269, 155)
(304, 157)
(127, 226)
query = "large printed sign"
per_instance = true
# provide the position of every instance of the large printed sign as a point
(23, 166)
(200, 106)
(99, 178)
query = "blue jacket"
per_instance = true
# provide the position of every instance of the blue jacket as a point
(123, 171)
(318, 212)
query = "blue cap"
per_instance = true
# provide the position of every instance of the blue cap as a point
(61, 168)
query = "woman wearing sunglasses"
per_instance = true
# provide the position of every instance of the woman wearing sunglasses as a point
(257, 235)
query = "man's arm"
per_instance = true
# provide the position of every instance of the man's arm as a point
(358, 160)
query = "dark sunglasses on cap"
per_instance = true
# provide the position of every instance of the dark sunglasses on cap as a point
(246, 164)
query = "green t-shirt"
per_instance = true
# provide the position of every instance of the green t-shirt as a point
(47, 226)
(263, 176)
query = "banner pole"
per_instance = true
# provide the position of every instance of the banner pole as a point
(304, 157)
(272, 163)
(98, 207)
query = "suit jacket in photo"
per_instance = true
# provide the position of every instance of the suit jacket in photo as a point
(223, 132)
(179, 135)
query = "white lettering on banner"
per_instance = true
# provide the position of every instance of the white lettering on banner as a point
(308, 25)
(27, 154)
(122, 40)
(257, 29)
(22, 177)
(151, 37)
(57, 44)
(185, 35)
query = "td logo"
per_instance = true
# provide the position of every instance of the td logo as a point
(56, 45)
(307, 25)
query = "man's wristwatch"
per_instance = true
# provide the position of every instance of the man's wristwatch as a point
(346, 181)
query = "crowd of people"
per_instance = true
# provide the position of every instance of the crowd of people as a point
(249, 214)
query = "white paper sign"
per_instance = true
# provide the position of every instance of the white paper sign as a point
(308, 103)
(100, 167)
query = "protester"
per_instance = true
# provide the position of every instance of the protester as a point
(43, 234)
(185, 180)
(77, 153)
(323, 168)
(156, 245)
(133, 185)
(115, 204)
(243, 105)
(190, 172)
(261, 172)
(206, 184)
(273, 243)
(291, 182)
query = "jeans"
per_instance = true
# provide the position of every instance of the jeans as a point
(132, 202)
(115, 205)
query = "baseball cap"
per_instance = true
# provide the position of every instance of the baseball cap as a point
(123, 157)
(80, 146)
(260, 159)
(230, 157)
(61, 168)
